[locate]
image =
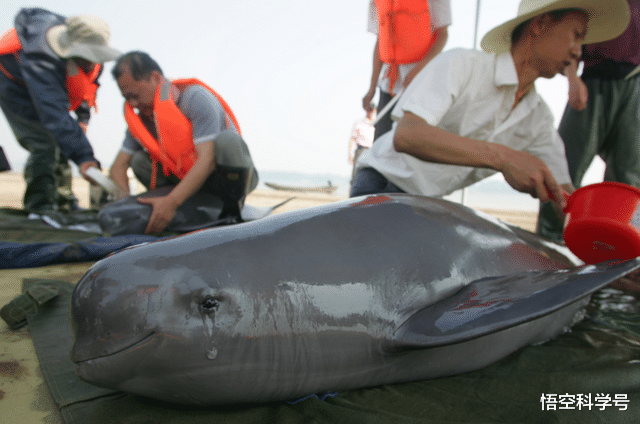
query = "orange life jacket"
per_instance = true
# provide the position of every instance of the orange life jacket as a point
(80, 85)
(174, 148)
(404, 33)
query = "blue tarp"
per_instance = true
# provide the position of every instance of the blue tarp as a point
(29, 255)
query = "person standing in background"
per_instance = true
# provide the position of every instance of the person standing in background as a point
(440, 14)
(602, 116)
(361, 138)
(49, 66)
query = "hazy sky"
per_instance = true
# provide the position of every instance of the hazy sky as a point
(293, 71)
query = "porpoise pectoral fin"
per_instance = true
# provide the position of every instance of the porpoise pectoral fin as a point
(493, 304)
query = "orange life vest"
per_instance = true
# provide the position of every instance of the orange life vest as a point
(80, 85)
(174, 148)
(404, 33)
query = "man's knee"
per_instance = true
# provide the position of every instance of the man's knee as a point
(231, 150)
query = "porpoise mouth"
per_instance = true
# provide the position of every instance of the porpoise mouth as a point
(117, 368)
(87, 352)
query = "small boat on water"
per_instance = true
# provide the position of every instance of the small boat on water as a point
(327, 189)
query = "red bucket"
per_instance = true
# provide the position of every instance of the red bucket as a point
(603, 222)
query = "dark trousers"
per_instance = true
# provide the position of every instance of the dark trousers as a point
(230, 151)
(385, 123)
(47, 173)
(370, 181)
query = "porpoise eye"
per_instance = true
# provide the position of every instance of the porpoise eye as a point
(209, 304)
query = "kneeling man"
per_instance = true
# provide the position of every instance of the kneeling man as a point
(184, 134)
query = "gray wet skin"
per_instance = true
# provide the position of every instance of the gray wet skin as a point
(358, 293)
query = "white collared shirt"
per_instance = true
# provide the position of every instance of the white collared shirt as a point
(469, 93)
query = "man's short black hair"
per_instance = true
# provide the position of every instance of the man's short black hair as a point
(140, 64)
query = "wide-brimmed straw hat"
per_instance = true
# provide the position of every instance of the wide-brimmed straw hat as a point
(607, 20)
(82, 36)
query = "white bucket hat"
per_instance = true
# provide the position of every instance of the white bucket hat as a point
(607, 20)
(82, 36)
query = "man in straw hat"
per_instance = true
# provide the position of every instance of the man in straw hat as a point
(470, 114)
(49, 65)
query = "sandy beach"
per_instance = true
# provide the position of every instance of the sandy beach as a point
(12, 189)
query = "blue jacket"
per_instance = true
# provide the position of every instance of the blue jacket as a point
(40, 94)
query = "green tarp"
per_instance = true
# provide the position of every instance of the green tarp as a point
(600, 357)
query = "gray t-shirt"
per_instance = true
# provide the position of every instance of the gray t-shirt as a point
(200, 107)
